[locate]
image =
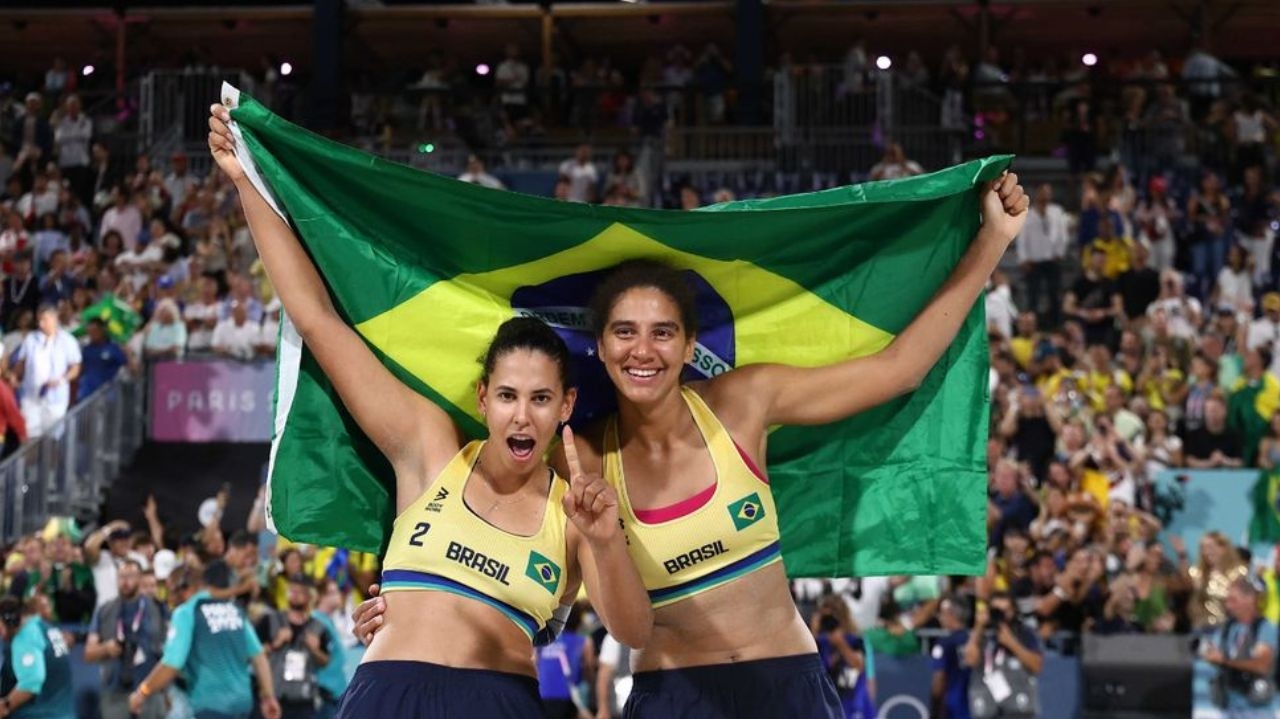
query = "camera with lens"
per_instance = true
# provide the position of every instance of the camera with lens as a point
(828, 623)
(128, 650)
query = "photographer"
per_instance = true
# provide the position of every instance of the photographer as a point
(127, 638)
(1243, 652)
(1005, 657)
(846, 656)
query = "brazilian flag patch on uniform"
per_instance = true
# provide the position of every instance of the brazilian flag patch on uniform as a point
(746, 511)
(543, 571)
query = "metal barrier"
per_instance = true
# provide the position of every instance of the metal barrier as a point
(174, 111)
(66, 471)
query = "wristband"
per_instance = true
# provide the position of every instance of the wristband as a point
(144, 689)
(1061, 593)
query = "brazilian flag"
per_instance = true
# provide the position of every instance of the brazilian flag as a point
(118, 316)
(1265, 525)
(426, 268)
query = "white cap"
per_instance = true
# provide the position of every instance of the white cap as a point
(164, 562)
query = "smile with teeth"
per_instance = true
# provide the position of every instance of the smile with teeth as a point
(641, 373)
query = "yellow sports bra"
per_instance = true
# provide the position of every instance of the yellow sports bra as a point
(439, 544)
(718, 535)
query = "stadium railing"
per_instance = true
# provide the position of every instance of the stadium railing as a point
(66, 471)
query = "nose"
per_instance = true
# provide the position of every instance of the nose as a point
(642, 348)
(521, 415)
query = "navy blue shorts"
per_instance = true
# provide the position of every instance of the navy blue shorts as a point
(794, 687)
(421, 690)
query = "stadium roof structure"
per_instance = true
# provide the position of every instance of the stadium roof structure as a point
(234, 33)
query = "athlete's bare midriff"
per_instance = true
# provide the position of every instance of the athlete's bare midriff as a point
(453, 631)
(750, 618)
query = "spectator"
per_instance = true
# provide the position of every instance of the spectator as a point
(1214, 445)
(1031, 427)
(894, 164)
(33, 138)
(49, 362)
(1269, 448)
(581, 175)
(21, 291)
(950, 687)
(118, 538)
(71, 136)
(1012, 503)
(1093, 300)
(102, 359)
(512, 81)
(1000, 309)
(1013, 650)
(241, 292)
(891, 636)
(712, 75)
(210, 644)
(179, 183)
(1139, 286)
(332, 678)
(166, 335)
(1208, 211)
(11, 420)
(127, 638)
(103, 174)
(1041, 247)
(1159, 449)
(39, 659)
(625, 183)
(1155, 217)
(1182, 313)
(477, 175)
(1218, 567)
(236, 336)
(1116, 247)
(57, 285)
(66, 582)
(202, 316)
(1256, 206)
(296, 664)
(613, 678)
(122, 217)
(848, 658)
(265, 344)
(1234, 288)
(562, 666)
(1243, 654)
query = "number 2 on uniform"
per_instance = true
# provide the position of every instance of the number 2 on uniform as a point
(421, 529)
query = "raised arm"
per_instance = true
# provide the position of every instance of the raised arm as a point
(796, 395)
(414, 434)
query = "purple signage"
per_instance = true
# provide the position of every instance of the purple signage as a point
(214, 401)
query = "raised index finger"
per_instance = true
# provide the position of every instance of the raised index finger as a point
(571, 456)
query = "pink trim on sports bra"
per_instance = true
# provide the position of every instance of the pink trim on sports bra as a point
(751, 465)
(675, 511)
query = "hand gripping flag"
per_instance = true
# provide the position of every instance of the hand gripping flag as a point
(426, 268)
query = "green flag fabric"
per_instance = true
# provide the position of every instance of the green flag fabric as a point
(119, 317)
(1265, 525)
(426, 268)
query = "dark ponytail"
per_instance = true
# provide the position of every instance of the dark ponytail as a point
(527, 333)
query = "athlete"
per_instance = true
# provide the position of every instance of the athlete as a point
(487, 538)
(687, 461)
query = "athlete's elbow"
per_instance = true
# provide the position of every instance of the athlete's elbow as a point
(634, 631)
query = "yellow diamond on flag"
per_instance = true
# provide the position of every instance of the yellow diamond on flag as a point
(440, 334)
